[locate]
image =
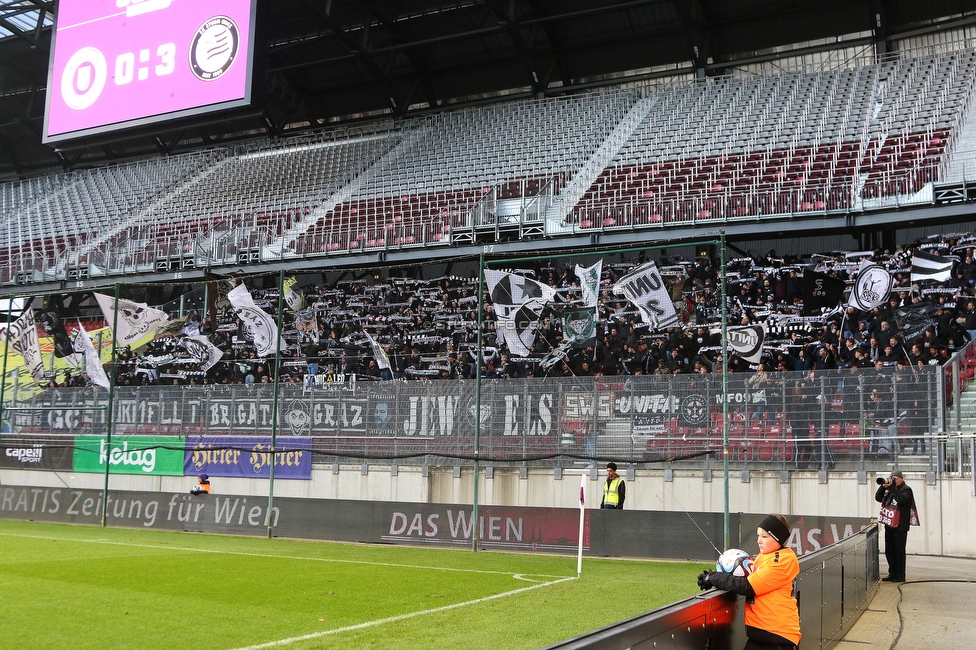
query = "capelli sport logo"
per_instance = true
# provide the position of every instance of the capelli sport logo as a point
(214, 48)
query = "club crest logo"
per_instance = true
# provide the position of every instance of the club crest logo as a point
(214, 48)
(694, 409)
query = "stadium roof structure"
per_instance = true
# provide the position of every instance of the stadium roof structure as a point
(329, 62)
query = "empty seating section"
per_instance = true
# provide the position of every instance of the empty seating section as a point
(716, 149)
(246, 199)
(49, 220)
(424, 190)
(784, 144)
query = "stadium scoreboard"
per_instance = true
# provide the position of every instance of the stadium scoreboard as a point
(118, 64)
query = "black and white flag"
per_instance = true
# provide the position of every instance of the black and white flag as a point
(137, 321)
(509, 291)
(93, 365)
(382, 361)
(820, 291)
(202, 351)
(579, 327)
(926, 266)
(646, 290)
(748, 341)
(51, 321)
(259, 326)
(871, 288)
(518, 303)
(23, 340)
(913, 320)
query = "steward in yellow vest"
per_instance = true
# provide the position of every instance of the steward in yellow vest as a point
(614, 489)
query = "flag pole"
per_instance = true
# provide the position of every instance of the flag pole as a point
(725, 387)
(274, 402)
(109, 408)
(579, 552)
(6, 352)
(479, 352)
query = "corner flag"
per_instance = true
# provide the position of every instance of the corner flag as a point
(579, 553)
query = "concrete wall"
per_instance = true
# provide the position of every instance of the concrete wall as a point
(945, 509)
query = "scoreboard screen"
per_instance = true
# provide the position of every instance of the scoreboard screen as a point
(116, 64)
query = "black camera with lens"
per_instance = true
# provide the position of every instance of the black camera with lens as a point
(880, 481)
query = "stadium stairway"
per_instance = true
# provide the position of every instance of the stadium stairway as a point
(962, 161)
(283, 245)
(556, 215)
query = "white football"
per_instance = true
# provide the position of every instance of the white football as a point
(734, 561)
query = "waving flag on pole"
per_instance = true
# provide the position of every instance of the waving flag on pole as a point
(93, 365)
(137, 321)
(748, 341)
(293, 298)
(259, 326)
(382, 361)
(590, 282)
(518, 302)
(644, 287)
(926, 266)
(202, 350)
(23, 340)
(913, 320)
(871, 288)
(579, 327)
(820, 291)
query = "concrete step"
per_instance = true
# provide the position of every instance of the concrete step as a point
(909, 462)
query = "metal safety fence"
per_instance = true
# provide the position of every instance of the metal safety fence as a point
(852, 419)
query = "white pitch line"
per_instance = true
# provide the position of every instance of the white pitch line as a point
(518, 576)
(400, 617)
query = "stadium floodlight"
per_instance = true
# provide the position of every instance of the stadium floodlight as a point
(129, 63)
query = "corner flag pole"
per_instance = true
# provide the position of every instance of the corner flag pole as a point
(579, 553)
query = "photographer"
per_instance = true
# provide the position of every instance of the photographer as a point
(898, 514)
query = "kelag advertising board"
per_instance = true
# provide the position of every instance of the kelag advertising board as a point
(121, 63)
(130, 455)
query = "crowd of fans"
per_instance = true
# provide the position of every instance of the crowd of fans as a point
(427, 328)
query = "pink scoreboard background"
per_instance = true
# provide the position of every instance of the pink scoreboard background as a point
(122, 63)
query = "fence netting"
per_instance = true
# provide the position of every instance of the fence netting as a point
(852, 418)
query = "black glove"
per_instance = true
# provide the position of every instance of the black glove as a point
(703, 581)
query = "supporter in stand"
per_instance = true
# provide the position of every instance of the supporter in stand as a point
(428, 328)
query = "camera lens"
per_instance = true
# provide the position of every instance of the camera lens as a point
(879, 481)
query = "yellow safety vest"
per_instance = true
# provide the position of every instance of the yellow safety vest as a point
(610, 495)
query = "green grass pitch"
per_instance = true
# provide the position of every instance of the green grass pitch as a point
(64, 586)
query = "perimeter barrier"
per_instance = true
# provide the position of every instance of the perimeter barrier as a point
(835, 585)
(869, 421)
